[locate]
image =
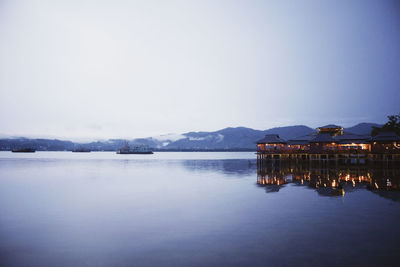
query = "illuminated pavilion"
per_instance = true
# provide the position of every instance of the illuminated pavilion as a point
(331, 144)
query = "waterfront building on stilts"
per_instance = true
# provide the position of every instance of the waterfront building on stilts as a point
(331, 144)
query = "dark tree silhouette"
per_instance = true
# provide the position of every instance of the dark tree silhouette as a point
(393, 125)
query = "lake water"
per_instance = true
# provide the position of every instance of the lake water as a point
(193, 209)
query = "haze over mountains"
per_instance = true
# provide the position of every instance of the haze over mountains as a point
(239, 138)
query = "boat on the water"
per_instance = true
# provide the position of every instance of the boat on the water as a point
(134, 150)
(23, 150)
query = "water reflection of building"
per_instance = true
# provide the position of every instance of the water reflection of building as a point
(274, 178)
(331, 144)
(331, 181)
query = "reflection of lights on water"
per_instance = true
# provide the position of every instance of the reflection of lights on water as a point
(322, 179)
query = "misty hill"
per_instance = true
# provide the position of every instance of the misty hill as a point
(38, 144)
(233, 138)
(238, 138)
(362, 128)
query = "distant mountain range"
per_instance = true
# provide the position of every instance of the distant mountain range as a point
(239, 138)
(362, 128)
(232, 138)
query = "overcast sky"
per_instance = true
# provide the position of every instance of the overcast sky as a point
(107, 69)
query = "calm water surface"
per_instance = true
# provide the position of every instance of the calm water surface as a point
(191, 209)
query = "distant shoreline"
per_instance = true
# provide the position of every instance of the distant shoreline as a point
(158, 150)
(224, 140)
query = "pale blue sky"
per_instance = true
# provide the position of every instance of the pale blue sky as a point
(107, 69)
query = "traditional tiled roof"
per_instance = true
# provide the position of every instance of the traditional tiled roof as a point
(323, 138)
(386, 137)
(330, 126)
(307, 137)
(347, 137)
(301, 140)
(348, 141)
(298, 142)
(271, 139)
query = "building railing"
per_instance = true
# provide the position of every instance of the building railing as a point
(313, 151)
(330, 149)
(380, 150)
